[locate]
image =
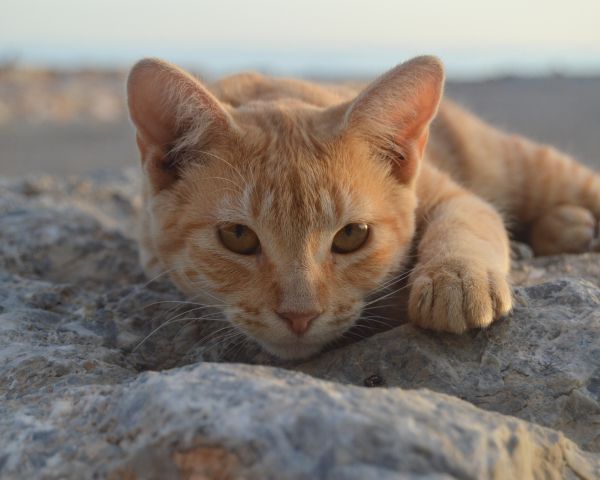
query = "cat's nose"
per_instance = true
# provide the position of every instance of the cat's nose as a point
(298, 321)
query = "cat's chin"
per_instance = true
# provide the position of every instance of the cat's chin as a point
(292, 351)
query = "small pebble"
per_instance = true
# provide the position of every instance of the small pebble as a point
(375, 381)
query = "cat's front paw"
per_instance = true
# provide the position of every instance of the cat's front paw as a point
(456, 294)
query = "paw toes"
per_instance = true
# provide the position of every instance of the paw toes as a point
(458, 299)
(447, 312)
(501, 295)
(421, 299)
(478, 311)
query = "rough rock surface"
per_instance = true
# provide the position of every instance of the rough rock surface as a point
(94, 383)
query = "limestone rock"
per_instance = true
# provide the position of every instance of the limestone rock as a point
(103, 373)
(542, 363)
(237, 421)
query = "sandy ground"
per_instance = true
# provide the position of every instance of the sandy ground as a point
(62, 140)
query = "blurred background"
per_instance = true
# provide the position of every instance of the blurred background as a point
(531, 67)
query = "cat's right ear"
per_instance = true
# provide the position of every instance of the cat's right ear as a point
(394, 112)
(166, 104)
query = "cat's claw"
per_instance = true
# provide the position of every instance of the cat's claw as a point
(455, 295)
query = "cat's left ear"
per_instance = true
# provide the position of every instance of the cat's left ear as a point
(394, 112)
(166, 104)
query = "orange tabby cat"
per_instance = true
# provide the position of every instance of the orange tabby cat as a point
(285, 203)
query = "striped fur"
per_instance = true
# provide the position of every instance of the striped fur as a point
(296, 161)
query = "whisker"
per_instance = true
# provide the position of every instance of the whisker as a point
(370, 328)
(183, 328)
(170, 322)
(191, 299)
(375, 307)
(229, 326)
(370, 320)
(393, 280)
(193, 310)
(229, 336)
(353, 335)
(158, 276)
(183, 302)
(391, 283)
(387, 295)
(204, 292)
(241, 347)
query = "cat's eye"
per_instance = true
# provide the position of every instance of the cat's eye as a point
(239, 238)
(350, 238)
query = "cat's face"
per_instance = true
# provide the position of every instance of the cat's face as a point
(284, 221)
(254, 230)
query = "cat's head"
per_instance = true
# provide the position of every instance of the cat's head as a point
(284, 215)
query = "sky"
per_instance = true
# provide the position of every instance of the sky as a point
(473, 37)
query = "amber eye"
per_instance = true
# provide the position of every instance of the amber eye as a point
(239, 238)
(350, 238)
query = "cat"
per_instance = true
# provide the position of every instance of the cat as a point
(286, 203)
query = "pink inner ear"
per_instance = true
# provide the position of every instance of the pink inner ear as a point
(164, 101)
(413, 120)
(149, 107)
(159, 94)
(155, 126)
(404, 99)
(398, 107)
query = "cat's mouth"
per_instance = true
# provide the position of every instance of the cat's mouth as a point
(293, 350)
(292, 346)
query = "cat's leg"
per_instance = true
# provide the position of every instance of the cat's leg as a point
(560, 200)
(554, 196)
(460, 280)
(542, 190)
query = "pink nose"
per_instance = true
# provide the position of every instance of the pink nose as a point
(298, 321)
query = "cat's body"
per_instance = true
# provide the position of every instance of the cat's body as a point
(296, 163)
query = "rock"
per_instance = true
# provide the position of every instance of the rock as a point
(238, 421)
(547, 269)
(106, 374)
(542, 363)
